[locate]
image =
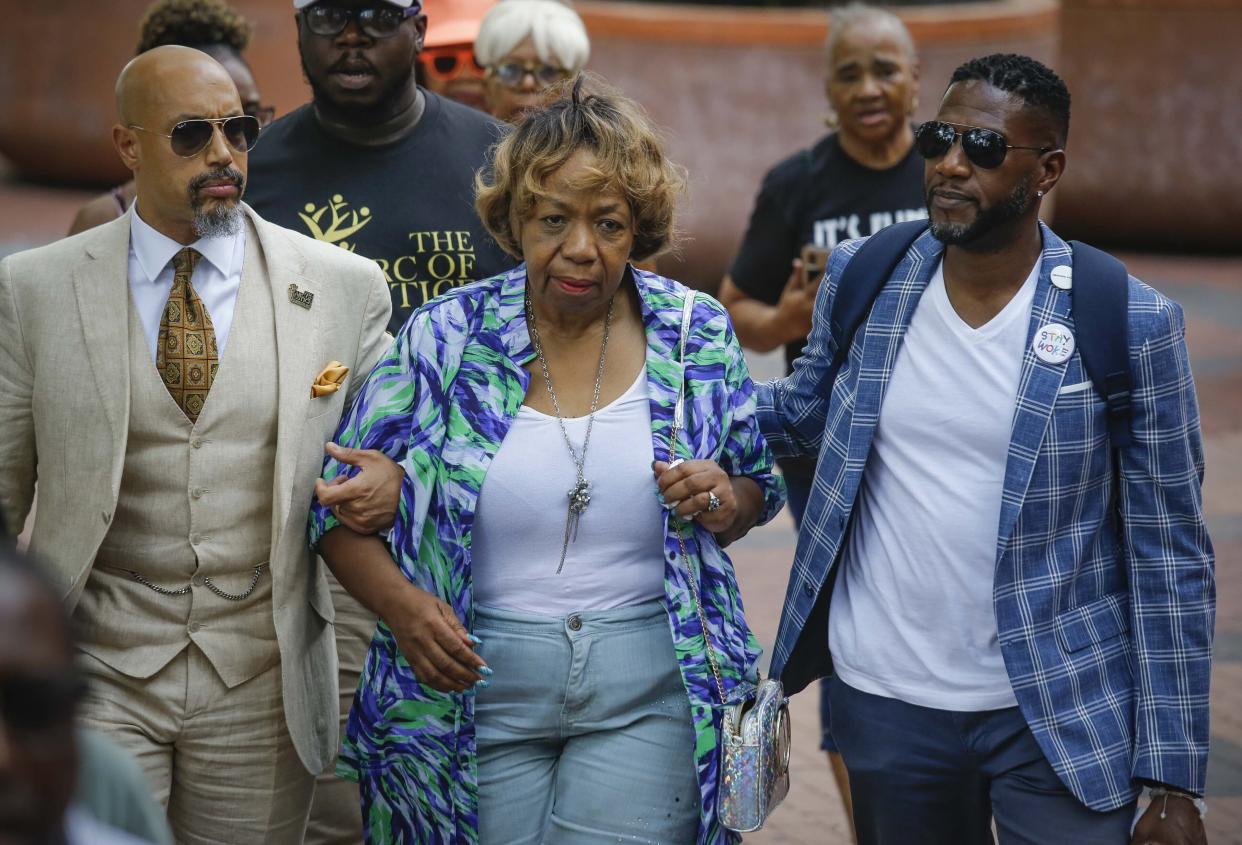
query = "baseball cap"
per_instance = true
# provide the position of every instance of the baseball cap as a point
(454, 21)
(400, 4)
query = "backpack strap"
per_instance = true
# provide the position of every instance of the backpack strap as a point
(1101, 299)
(1101, 306)
(862, 280)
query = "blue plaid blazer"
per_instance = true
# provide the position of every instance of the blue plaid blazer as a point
(1104, 587)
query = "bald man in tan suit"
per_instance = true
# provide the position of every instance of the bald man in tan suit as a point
(170, 379)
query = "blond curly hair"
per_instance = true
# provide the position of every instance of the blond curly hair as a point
(583, 114)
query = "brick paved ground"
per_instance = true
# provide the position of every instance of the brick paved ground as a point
(1210, 290)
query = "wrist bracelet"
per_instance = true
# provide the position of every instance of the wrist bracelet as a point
(1155, 792)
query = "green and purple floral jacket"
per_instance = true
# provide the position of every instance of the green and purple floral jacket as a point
(440, 403)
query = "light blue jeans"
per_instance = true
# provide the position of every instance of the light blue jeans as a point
(584, 735)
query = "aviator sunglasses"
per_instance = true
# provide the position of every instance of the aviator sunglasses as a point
(190, 137)
(511, 74)
(375, 21)
(984, 148)
(448, 63)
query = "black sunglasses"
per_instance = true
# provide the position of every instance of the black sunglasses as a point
(984, 148)
(375, 21)
(189, 137)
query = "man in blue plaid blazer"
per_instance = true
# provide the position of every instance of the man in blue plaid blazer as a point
(1016, 616)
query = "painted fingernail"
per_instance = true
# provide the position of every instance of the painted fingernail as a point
(660, 496)
(474, 639)
(486, 670)
(482, 684)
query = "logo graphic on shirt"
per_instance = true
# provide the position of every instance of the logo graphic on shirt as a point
(334, 222)
(428, 263)
(828, 233)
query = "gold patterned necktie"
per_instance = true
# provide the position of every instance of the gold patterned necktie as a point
(185, 354)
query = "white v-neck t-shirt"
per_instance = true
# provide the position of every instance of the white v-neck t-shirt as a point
(912, 615)
(617, 559)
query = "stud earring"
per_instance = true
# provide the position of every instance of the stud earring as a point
(1039, 193)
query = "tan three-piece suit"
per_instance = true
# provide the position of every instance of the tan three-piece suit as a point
(205, 620)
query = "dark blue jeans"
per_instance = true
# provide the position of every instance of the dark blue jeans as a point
(938, 777)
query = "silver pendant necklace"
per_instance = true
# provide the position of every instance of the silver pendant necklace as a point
(580, 493)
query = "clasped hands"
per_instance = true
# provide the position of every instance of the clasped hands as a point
(367, 501)
(441, 652)
(687, 487)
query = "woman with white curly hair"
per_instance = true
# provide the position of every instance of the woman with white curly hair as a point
(525, 47)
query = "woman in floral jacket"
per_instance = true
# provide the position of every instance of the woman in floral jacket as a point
(522, 685)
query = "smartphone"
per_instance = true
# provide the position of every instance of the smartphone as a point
(814, 263)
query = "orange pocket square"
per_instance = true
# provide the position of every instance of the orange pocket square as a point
(329, 379)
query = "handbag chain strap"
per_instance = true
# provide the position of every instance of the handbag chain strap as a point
(691, 574)
(698, 608)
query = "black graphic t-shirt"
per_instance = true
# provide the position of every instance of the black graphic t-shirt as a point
(820, 196)
(408, 205)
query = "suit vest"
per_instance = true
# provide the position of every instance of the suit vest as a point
(195, 511)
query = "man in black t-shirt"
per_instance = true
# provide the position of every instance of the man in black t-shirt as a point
(853, 182)
(820, 196)
(383, 168)
(374, 163)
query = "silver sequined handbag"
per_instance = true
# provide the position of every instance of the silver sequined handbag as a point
(755, 733)
(754, 766)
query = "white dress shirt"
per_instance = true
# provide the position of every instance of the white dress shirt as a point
(216, 278)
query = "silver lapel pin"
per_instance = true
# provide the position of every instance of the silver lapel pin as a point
(302, 298)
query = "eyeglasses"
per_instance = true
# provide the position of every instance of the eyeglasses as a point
(447, 63)
(511, 74)
(984, 148)
(375, 21)
(190, 137)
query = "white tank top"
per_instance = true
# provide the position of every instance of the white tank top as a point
(519, 525)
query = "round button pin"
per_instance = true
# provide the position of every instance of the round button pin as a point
(1063, 276)
(1053, 343)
